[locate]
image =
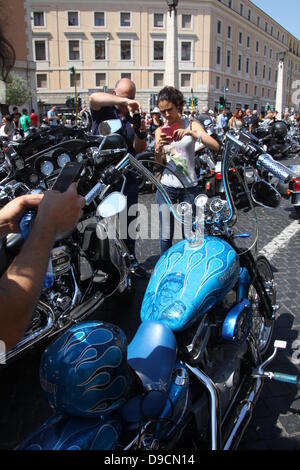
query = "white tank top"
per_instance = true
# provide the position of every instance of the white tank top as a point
(181, 160)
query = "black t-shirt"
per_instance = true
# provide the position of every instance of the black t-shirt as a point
(202, 118)
(255, 121)
(247, 121)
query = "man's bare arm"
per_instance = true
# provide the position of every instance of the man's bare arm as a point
(21, 284)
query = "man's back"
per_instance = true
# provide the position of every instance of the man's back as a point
(24, 122)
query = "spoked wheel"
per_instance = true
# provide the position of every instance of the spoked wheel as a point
(262, 327)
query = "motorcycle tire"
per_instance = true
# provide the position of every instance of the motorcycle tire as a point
(262, 327)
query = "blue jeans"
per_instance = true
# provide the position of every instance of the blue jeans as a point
(166, 218)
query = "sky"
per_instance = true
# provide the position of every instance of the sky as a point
(285, 12)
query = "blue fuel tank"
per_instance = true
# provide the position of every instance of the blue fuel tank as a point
(188, 281)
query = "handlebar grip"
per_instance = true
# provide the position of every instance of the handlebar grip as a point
(287, 378)
(277, 169)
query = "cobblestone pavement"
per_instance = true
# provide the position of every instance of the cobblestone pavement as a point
(276, 418)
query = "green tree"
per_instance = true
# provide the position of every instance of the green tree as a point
(17, 90)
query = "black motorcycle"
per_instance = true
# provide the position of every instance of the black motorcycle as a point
(88, 267)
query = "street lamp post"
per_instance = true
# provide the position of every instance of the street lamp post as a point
(171, 72)
(280, 84)
(225, 89)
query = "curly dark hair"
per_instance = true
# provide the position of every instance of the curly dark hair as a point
(171, 94)
(7, 53)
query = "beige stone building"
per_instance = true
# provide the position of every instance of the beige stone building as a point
(227, 47)
(16, 23)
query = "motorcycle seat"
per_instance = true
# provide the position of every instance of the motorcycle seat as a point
(152, 355)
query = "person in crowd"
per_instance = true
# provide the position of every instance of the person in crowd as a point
(247, 118)
(178, 151)
(287, 120)
(52, 117)
(222, 122)
(204, 116)
(8, 127)
(121, 104)
(16, 115)
(269, 117)
(254, 123)
(34, 119)
(212, 115)
(24, 121)
(237, 120)
(298, 122)
(156, 120)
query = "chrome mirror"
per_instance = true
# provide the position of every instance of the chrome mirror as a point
(113, 204)
(109, 127)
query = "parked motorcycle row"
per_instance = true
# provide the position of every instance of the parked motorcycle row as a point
(193, 372)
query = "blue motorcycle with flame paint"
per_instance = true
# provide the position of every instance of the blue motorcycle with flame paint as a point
(194, 370)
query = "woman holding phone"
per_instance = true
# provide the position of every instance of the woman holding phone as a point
(175, 146)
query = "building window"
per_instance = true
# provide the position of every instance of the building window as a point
(218, 83)
(263, 92)
(227, 83)
(41, 80)
(272, 30)
(269, 92)
(230, 3)
(125, 19)
(264, 72)
(248, 41)
(218, 55)
(282, 38)
(73, 18)
(266, 27)
(246, 88)
(100, 49)
(278, 35)
(241, 9)
(247, 65)
(158, 50)
(249, 15)
(270, 74)
(271, 53)
(186, 21)
(125, 49)
(72, 79)
(229, 32)
(40, 50)
(240, 37)
(158, 20)
(255, 90)
(256, 69)
(265, 51)
(158, 79)
(186, 51)
(219, 27)
(239, 87)
(38, 18)
(126, 75)
(257, 46)
(99, 19)
(228, 59)
(258, 21)
(100, 79)
(74, 50)
(185, 80)
(240, 63)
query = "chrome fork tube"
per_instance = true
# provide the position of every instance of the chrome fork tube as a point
(215, 413)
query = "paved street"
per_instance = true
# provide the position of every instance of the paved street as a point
(276, 418)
